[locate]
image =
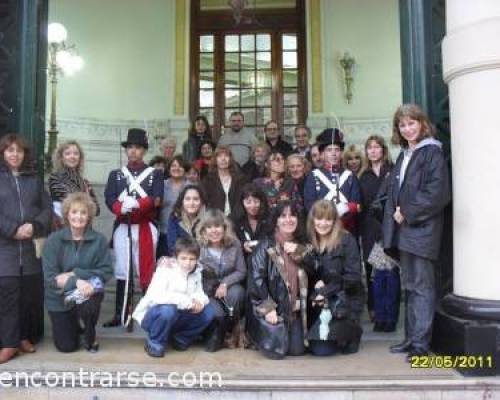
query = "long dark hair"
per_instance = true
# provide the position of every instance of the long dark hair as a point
(177, 211)
(280, 208)
(208, 130)
(8, 140)
(252, 190)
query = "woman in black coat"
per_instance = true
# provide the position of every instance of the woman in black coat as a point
(372, 178)
(336, 294)
(200, 131)
(223, 184)
(25, 215)
(253, 225)
(417, 192)
(276, 318)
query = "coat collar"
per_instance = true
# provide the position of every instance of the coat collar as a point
(89, 234)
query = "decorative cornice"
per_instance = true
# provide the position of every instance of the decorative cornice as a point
(478, 66)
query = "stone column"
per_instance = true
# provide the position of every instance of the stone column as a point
(471, 68)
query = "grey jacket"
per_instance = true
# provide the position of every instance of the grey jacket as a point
(422, 196)
(229, 269)
(90, 258)
(22, 199)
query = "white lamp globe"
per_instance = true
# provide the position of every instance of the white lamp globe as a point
(56, 33)
(63, 59)
(77, 63)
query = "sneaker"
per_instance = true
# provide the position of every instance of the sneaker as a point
(179, 346)
(153, 353)
(92, 348)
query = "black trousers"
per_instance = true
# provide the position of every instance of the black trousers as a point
(66, 327)
(21, 309)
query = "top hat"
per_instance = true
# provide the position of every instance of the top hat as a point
(136, 136)
(330, 136)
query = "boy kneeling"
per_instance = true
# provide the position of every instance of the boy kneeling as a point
(175, 308)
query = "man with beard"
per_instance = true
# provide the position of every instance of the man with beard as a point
(238, 138)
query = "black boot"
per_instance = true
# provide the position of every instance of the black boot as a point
(120, 293)
(402, 347)
(215, 335)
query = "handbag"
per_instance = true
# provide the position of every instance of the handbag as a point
(379, 259)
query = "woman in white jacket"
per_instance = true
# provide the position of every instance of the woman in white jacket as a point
(175, 308)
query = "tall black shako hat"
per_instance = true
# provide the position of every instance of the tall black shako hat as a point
(330, 136)
(136, 136)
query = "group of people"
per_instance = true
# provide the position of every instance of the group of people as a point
(238, 242)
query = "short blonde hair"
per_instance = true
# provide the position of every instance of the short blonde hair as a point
(168, 140)
(80, 198)
(261, 145)
(299, 157)
(353, 152)
(215, 217)
(57, 161)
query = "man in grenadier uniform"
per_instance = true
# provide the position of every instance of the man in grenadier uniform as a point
(332, 182)
(134, 191)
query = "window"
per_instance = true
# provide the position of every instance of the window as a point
(258, 69)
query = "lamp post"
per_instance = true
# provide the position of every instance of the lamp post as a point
(62, 60)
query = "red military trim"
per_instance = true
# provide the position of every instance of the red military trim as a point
(353, 207)
(117, 208)
(146, 255)
(146, 203)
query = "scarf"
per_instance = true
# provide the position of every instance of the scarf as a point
(290, 271)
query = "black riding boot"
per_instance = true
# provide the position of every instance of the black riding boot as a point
(120, 293)
(216, 334)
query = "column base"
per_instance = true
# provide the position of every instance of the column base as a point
(466, 336)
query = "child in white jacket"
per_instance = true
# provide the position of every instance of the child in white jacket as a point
(175, 308)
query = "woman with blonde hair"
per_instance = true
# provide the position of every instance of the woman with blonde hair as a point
(76, 265)
(66, 178)
(353, 160)
(298, 167)
(224, 271)
(333, 267)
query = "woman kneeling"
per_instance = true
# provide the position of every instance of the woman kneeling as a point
(278, 289)
(224, 272)
(76, 265)
(336, 293)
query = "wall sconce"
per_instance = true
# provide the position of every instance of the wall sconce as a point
(63, 59)
(348, 64)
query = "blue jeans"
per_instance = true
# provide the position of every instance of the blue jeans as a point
(386, 295)
(165, 321)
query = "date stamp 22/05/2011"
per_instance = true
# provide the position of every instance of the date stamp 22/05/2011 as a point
(455, 361)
